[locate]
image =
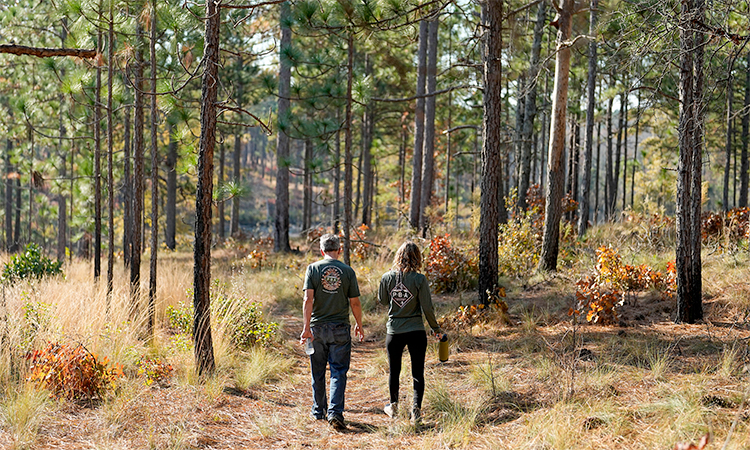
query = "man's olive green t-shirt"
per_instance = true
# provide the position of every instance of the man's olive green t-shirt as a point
(408, 296)
(334, 284)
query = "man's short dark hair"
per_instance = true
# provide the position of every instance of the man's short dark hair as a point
(329, 243)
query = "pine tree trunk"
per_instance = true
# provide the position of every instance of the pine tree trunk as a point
(8, 195)
(337, 179)
(367, 166)
(745, 139)
(281, 223)
(416, 174)
(491, 181)
(110, 157)
(307, 187)
(555, 166)
(696, 282)
(154, 183)
(234, 224)
(97, 163)
(687, 257)
(17, 227)
(609, 181)
(204, 354)
(138, 173)
(728, 143)
(127, 193)
(428, 152)
(348, 149)
(171, 206)
(615, 189)
(221, 204)
(625, 151)
(635, 149)
(530, 107)
(583, 205)
(62, 216)
(598, 170)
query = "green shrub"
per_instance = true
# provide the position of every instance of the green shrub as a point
(519, 244)
(30, 264)
(242, 318)
(37, 317)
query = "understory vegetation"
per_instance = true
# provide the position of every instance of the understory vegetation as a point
(588, 357)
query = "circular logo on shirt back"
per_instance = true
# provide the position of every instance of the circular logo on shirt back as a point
(331, 279)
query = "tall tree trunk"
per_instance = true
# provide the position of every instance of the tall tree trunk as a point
(307, 187)
(555, 166)
(419, 115)
(610, 177)
(62, 222)
(728, 142)
(598, 169)
(154, 182)
(517, 146)
(618, 157)
(281, 225)
(358, 190)
(127, 193)
(17, 227)
(221, 205)
(110, 157)
(530, 106)
(138, 173)
(8, 195)
(625, 150)
(635, 149)
(687, 258)
(204, 353)
(348, 149)
(699, 105)
(97, 161)
(745, 138)
(575, 149)
(171, 206)
(583, 198)
(367, 194)
(234, 225)
(31, 159)
(428, 155)
(337, 179)
(366, 160)
(491, 181)
(402, 161)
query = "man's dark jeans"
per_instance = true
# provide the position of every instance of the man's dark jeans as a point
(333, 346)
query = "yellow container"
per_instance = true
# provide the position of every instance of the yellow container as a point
(443, 348)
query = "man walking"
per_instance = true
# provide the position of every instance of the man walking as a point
(330, 289)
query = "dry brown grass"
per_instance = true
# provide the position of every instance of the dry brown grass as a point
(541, 383)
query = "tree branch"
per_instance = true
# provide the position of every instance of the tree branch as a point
(46, 52)
(430, 94)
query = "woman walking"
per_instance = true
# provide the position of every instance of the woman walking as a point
(407, 294)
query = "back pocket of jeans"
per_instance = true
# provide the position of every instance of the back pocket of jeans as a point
(341, 333)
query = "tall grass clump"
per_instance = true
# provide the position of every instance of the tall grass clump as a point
(456, 419)
(22, 410)
(259, 366)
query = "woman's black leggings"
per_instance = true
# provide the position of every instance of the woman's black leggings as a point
(394, 345)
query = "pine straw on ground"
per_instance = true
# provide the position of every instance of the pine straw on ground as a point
(531, 400)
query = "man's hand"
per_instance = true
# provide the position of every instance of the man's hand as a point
(306, 334)
(359, 332)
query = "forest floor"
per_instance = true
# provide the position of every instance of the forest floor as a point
(540, 383)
